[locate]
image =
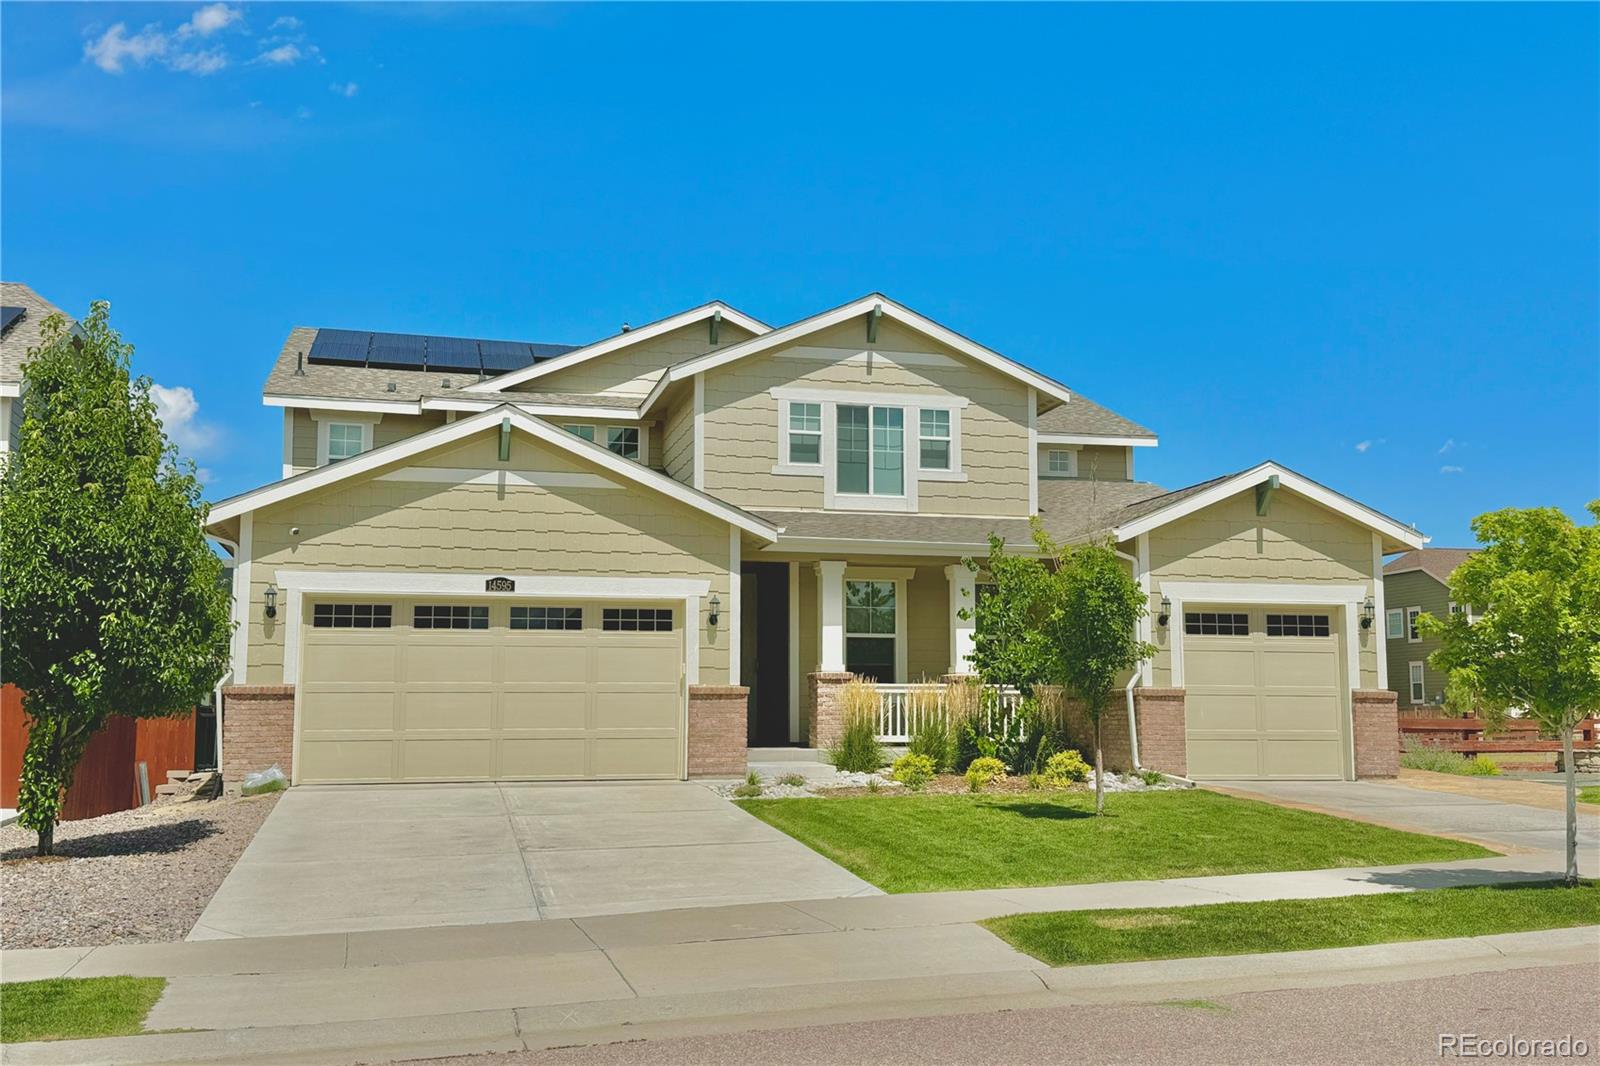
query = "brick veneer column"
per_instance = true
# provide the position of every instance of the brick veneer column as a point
(718, 729)
(1377, 732)
(1163, 729)
(257, 731)
(826, 718)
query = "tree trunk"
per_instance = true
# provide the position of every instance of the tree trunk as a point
(1572, 805)
(47, 840)
(1099, 772)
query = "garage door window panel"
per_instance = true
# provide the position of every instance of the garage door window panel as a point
(449, 616)
(547, 618)
(636, 619)
(1298, 625)
(352, 615)
(1216, 624)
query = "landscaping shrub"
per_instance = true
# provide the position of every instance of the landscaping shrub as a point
(856, 750)
(1152, 777)
(913, 771)
(1422, 756)
(982, 771)
(1481, 766)
(962, 702)
(751, 787)
(793, 780)
(930, 734)
(1065, 768)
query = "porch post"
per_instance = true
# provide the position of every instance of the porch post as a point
(830, 610)
(962, 598)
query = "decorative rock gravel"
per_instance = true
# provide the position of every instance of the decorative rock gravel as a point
(855, 784)
(132, 877)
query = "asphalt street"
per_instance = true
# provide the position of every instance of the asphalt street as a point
(1389, 1024)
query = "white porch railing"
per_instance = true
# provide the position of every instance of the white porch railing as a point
(899, 715)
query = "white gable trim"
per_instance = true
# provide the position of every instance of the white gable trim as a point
(904, 315)
(618, 342)
(1090, 438)
(622, 412)
(1288, 479)
(462, 428)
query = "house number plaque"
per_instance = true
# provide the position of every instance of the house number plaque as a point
(499, 584)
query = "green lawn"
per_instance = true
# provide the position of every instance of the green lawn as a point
(935, 843)
(65, 1008)
(1073, 938)
(1589, 794)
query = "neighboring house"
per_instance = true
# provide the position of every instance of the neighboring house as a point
(22, 315)
(1415, 582)
(493, 560)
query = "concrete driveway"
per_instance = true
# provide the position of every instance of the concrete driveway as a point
(346, 859)
(1479, 818)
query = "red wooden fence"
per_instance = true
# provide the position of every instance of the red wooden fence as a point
(1466, 735)
(106, 779)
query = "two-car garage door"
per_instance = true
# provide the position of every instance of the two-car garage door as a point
(1264, 692)
(425, 690)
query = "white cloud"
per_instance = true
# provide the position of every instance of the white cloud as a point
(114, 48)
(1366, 446)
(285, 22)
(1452, 469)
(282, 56)
(1447, 447)
(179, 412)
(345, 89)
(209, 20)
(201, 63)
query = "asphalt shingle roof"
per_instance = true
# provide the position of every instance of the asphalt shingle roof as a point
(1084, 416)
(1437, 563)
(28, 331)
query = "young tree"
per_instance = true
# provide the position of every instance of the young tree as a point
(111, 600)
(1535, 643)
(1067, 616)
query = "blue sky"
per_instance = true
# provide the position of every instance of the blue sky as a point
(1359, 240)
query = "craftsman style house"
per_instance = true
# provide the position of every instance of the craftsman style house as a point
(493, 560)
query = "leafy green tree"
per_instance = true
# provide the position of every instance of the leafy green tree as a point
(111, 600)
(1064, 616)
(1535, 643)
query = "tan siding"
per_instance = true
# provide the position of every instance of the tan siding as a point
(390, 429)
(633, 371)
(1297, 541)
(1415, 589)
(677, 441)
(407, 526)
(741, 421)
(1095, 463)
(396, 428)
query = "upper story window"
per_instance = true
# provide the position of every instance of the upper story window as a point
(1395, 619)
(934, 436)
(1412, 635)
(624, 440)
(871, 452)
(586, 432)
(805, 434)
(1062, 462)
(343, 439)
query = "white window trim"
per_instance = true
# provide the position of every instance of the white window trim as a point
(911, 405)
(1413, 636)
(1416, 684)
(1394, 615)
(1072, 462)
(644, 443)
(325, 419)
(898, 576)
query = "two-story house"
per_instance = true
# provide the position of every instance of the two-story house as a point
(632, 559)
(1415, 582)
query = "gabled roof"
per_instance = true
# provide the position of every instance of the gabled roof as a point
(462, 428)
(843, 313)
(1437, 563)
(1145, 515)
(1085, 422)
(25, 333)
(619, 341)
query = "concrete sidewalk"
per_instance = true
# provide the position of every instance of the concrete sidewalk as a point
(494, 1020)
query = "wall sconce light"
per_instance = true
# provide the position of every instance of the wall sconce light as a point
(716, 608)
(272, 601)
(1166, 612)
(1368, 610)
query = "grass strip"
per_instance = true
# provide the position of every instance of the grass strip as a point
(66, 1008)
(939, 843)
(1076, 938)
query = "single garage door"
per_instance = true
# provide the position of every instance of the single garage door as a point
(427, 690)
(1264, 692)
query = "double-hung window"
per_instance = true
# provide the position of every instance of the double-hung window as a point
(934, 440)
(1412, 635)
(1417, 695)
(805, 434)
(871, 629)
(1062, 462)
(871, 450)
(624, 440)
(1395, 619)
(345, 439)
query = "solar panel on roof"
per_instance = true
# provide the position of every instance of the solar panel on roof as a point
(500, 356)
(550, 351)
(399, 351)
(453, 353)
(341, 347)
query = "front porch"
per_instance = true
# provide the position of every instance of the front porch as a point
(894, 620)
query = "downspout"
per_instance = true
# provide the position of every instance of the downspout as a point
(1133, 683)
(216, 694)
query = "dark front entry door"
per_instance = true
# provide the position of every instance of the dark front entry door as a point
(764, 651)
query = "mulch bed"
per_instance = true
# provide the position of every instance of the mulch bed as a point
(132, 877)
